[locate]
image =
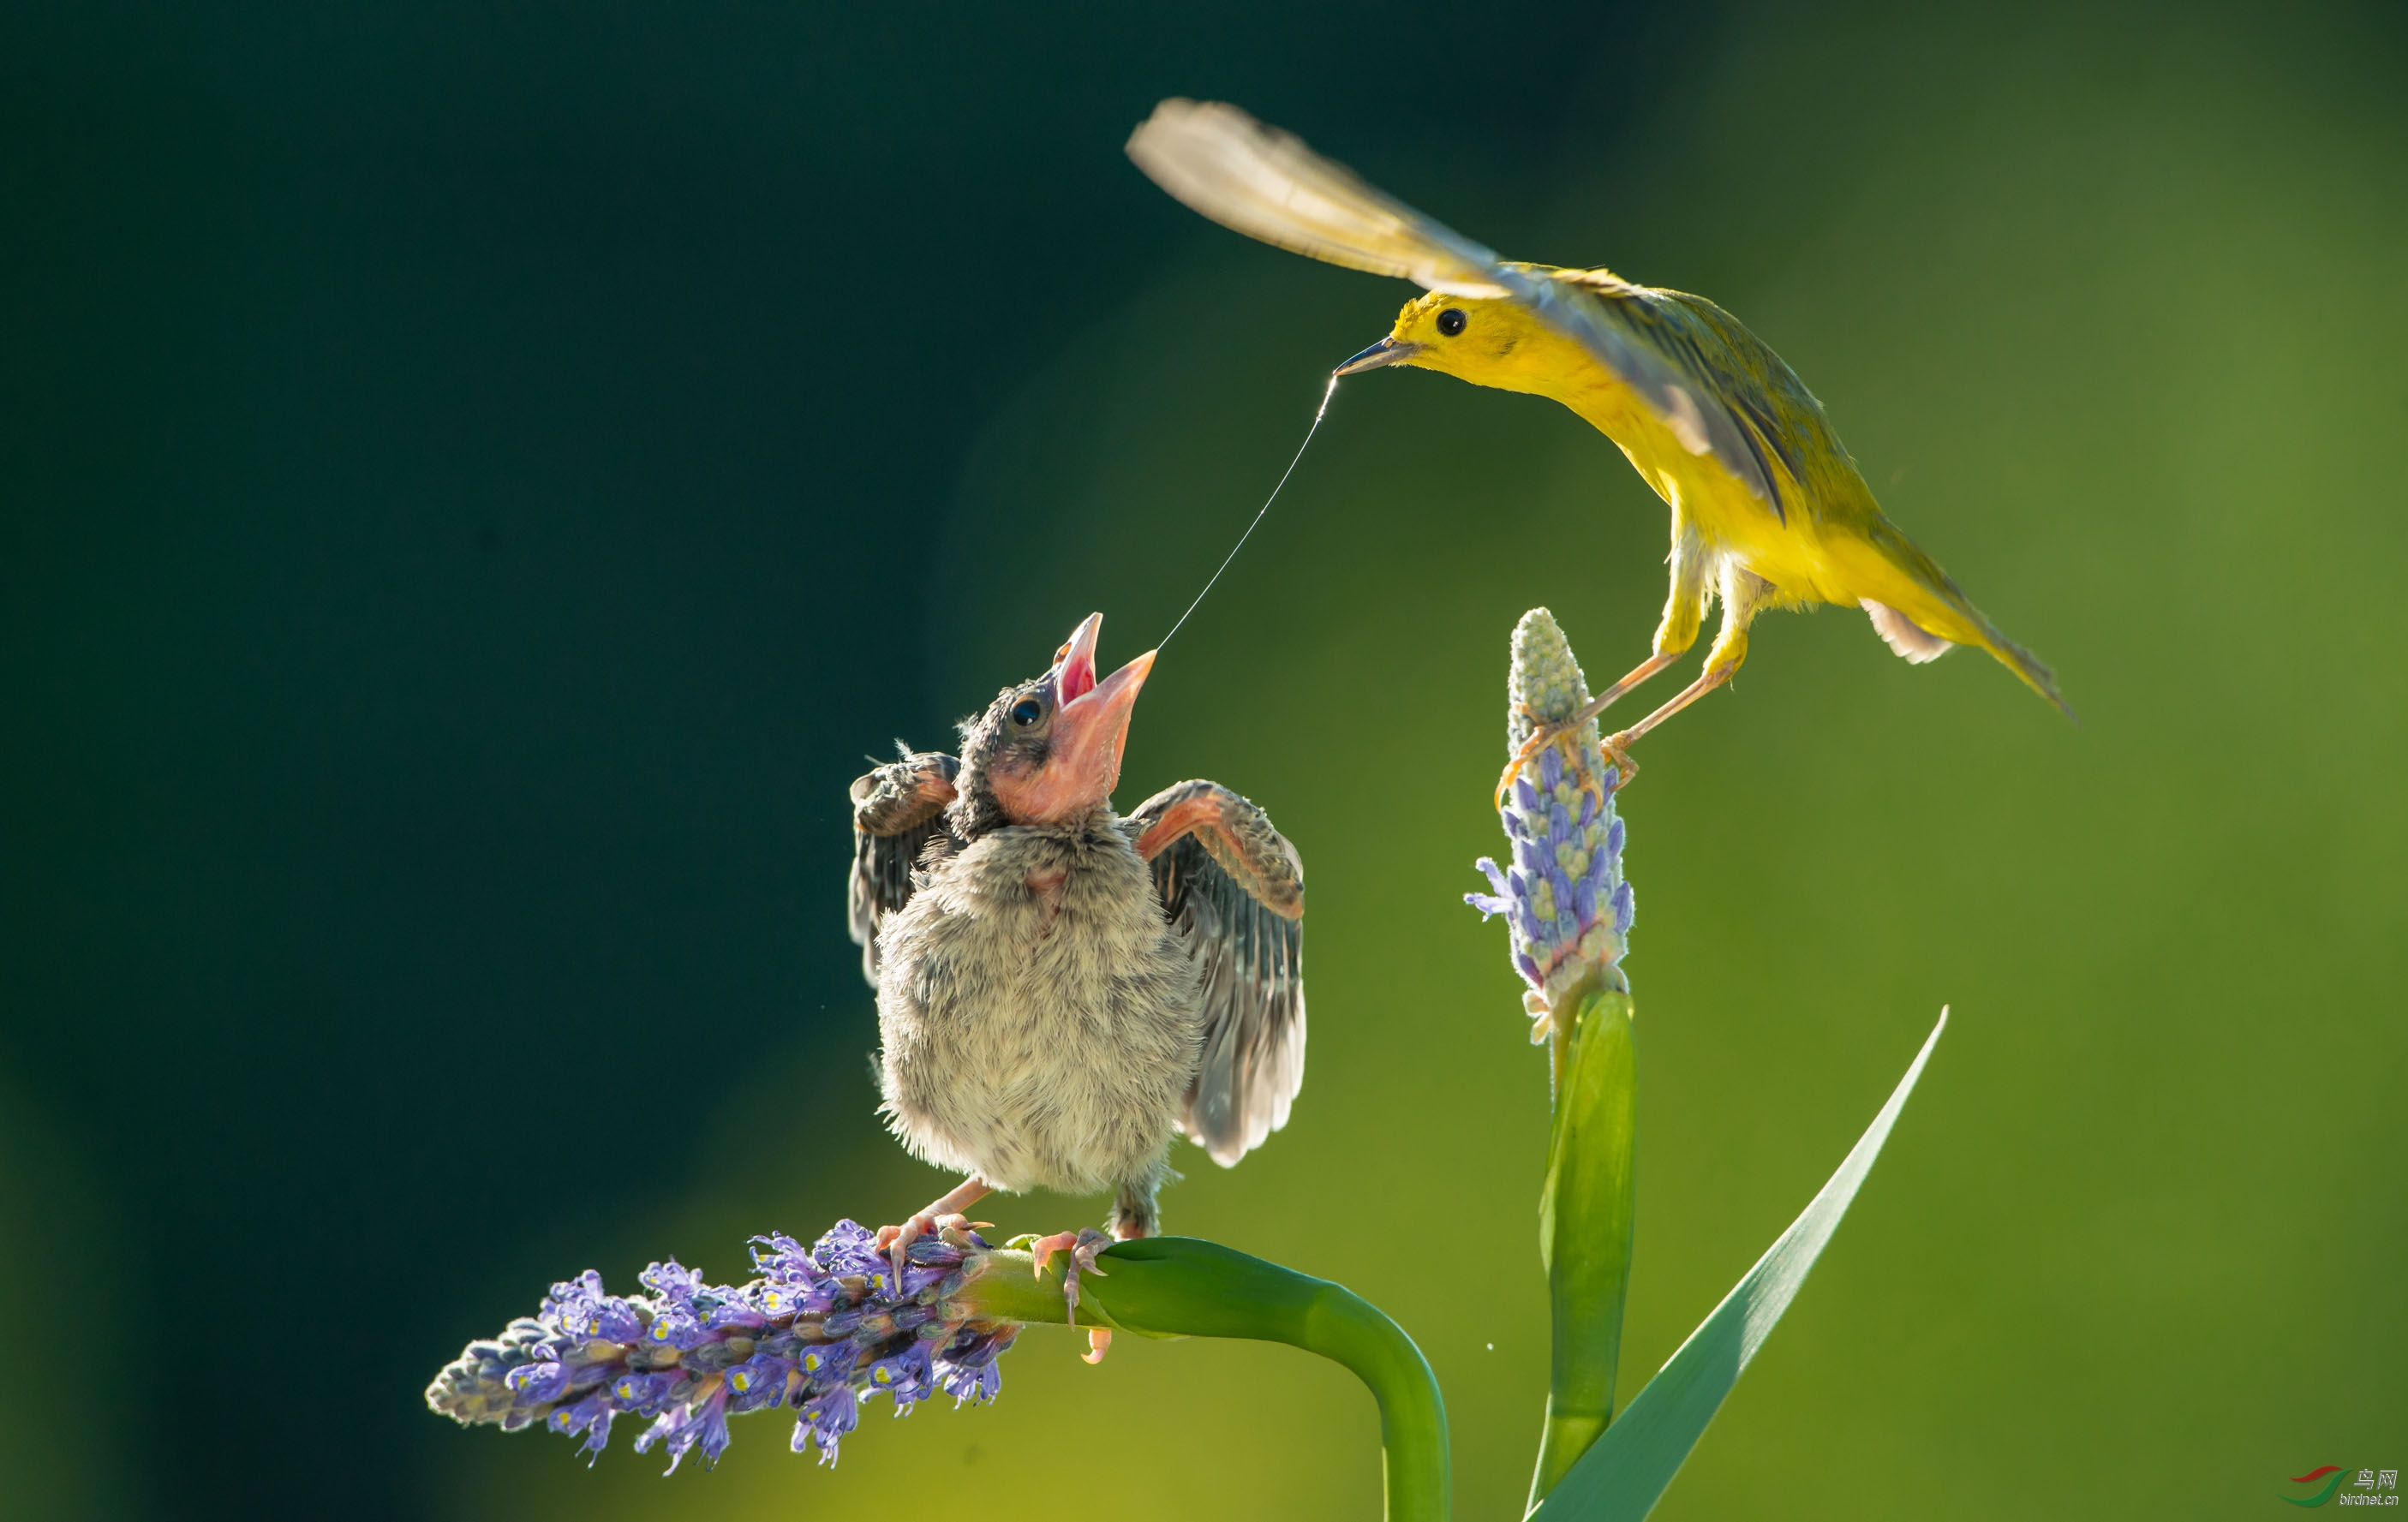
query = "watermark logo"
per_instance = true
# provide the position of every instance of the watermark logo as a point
(2335, 1484)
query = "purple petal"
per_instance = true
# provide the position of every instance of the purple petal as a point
(1533, 932)
(1601, 867)
(758, 1383)
(847, 1248)
(591, 1416)
(828, 1364)
(824, 1420)
(537, 1383)
(1551, 768)
(679, 1284)
(643, 1394)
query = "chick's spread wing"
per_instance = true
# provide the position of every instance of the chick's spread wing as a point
(896, 811)
(1233, 890)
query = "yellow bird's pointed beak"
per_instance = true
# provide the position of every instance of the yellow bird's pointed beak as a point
(1379, 355)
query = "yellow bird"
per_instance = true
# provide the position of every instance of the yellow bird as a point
(1767, 508)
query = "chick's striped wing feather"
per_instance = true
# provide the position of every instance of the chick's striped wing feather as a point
(1266, 184)
(896, 811)
(1233, 890)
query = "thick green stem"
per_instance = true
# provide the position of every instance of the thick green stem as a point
(1584, 1227)
(1178, 1287)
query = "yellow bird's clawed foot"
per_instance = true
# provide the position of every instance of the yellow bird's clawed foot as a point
(1082, 1247)
(1616, 749)
(1618, 755)
(1541, 738)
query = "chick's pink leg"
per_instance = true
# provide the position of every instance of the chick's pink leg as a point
(1082, 1247)
(894, 1240)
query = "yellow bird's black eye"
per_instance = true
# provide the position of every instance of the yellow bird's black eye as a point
(1026, 711)
(1451, 321)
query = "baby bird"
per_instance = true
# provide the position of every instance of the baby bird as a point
(1061, 990)
(1769, 511)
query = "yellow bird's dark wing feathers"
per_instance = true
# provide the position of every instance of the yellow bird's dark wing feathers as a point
(1702, 387)
(1266, 184)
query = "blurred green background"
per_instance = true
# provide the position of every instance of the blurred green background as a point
(479, 481)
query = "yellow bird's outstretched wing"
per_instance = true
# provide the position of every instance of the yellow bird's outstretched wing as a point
(1266, 184)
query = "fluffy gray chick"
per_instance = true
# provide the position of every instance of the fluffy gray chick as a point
(1060, 990)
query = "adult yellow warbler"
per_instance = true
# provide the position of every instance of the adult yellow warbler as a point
(1767, 508)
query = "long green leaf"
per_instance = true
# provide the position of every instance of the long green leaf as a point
(1626, 1469)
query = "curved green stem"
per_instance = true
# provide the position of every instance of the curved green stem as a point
(1179, 1286)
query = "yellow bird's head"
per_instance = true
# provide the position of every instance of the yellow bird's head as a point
(1487, 340)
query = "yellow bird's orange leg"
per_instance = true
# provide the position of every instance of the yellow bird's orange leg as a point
(1547, 734)
(1617, 747)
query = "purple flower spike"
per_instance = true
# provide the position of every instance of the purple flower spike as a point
(1566, 931)
(819, 1330)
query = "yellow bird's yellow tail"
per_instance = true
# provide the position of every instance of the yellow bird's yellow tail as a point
(1945, 612)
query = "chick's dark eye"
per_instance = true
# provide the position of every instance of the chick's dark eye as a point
(1451, 321)
(1026, 711)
